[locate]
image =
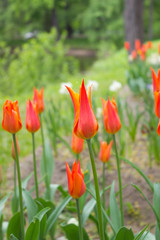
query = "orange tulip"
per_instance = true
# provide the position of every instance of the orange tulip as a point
(76, 184)
(85, 122)
(111, 119)
(137, 44)
(127, 45)
(32, 117)
(38, 98)
(156, 80)
(134, 54)
(77, 144)
(13, 154)
(105, 151)
(159, 48)
(157, 103)
(149, 44)
(158, 128)
(11, 117)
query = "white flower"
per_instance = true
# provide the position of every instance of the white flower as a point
(154, 59)
(73, 221)
(93, 83)
(115, 86)
(63, 89)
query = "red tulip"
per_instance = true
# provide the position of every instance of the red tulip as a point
(158, 128)
(111, 119)
(32, 117)
(76, 184)
(137, 44)
(105, 151)
(38, 98)
(13, 154)
(85, 122)
(134, 54)
(157, 103)
(11, 117)
(77, 144)
(127, 45)
(156, 80)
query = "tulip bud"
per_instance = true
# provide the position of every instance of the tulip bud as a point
(38, 99)
(105, 151)
(111, 119)
(76, 184)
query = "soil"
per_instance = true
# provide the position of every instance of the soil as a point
(137, 212)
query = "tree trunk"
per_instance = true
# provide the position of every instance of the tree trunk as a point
(150, 20)
(55, 22)
(133, 17)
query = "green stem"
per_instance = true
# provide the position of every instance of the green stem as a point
(104, 201)
(44, 160)
(35, 166)
(20, 188)
(98, 199)
(79, 220)
(119, 179)
(15, 178)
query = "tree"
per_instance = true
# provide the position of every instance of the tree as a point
(133, 17)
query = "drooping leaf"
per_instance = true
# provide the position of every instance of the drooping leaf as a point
(14, 226)
(56, 212)
(72, 232)
(32, 208)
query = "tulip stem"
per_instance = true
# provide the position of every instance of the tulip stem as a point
(44, 159)
(119, 179)
(20, 187)
(79, 220)
(15, 179)
(104, 201)
(35, 166)
(98, 199)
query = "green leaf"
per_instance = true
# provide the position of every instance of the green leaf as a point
(12, 237)
(3, 202)
(140, 172)
(114, 210)
(41, 213)
(25, 181)
(15, 202)
(72, 232)
(156, 197)
(33, 230)
(32, 208)
(88, 208)
(14, 226)
(141, 234)
(55, 213)
(49, 160)
(125, 234)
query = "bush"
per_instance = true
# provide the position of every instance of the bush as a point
(40, 60)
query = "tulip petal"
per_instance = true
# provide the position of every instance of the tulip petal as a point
(69, 177)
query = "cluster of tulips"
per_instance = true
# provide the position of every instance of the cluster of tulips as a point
(140, 49)
(85, 128)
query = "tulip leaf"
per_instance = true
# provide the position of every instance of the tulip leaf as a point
(72, 232)
(12, 237)
(3, 202)
(88, 208)
(157, 232)
(25, 181)
(32, 207)
(125, 234)
(49, 160)
(56, 212)
(156, 197)
(15, 201)
(14, 226)
(139, 171)
(33, 230)
(142, 234)
(114, 210)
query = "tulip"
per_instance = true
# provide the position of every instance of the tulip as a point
(159, 48)
(38, 98)
(77, 144)
(137, 44)
(32, 117)
(111, 119)
(13, 154)
(156, 80)
(127, 45)
(157, 103)
(85, 122)
(105, 151)
(11, 117)
(134, 54)
(158, 128)
(76, 184)
(149, 44)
